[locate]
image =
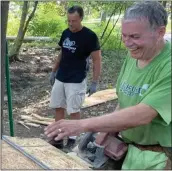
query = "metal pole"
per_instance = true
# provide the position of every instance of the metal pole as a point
(4, 19)
(9, 92)
(26, 154)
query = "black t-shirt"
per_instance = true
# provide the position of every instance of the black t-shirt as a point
(76, 48)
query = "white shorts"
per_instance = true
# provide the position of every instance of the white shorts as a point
(69, 96)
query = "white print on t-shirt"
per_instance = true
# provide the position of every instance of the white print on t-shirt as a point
(131, 90)
(143, 89)
(67, 43)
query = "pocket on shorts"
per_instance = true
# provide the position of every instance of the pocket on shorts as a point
(78, 100)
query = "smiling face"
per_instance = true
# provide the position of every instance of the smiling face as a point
(74, 21)
(141, 41)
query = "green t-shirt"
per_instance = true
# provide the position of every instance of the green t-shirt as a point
(150, 85)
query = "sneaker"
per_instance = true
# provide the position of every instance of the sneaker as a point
(57, 144)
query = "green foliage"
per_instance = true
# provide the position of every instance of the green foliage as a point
(13, 24)
(50, 20)
(111, 65)
(47, 21)
(114, 41)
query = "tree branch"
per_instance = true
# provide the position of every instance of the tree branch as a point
(22, 30)
(23, 18)
(30, 17)
(113, 13)
(112, 27)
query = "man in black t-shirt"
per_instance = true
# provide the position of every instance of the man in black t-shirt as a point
(68, 75)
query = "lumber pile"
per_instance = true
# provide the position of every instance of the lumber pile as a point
(34, 120)
(50, 156)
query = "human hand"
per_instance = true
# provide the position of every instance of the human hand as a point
(52, 77)
(63, 128)
(92, 89)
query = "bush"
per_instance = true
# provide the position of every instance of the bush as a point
(13, 24)
(50, 20)
(47, 23)
(114, 40)
(48, 26)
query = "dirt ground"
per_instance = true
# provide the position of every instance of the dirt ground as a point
(31, 90)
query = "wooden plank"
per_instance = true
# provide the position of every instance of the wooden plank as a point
(100, 97)
(28, 142)
(76, 157)
(54, 158)
(41, 118)
(13, 159)
(31, 119)
(40, 149)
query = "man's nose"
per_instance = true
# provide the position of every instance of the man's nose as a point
(70, 23)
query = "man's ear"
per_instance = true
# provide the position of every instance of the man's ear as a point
(161, 32)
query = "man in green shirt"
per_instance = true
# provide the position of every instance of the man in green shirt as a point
(143, 115)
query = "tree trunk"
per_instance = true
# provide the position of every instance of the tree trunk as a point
(14, 52)
(103, 16)
(18, 42)
(4, 19)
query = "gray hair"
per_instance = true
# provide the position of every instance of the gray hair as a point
(153, 11)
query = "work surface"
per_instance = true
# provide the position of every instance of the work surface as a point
(41, 150)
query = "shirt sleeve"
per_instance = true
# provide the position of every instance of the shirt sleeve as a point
(158, 95)
(61, 40)
(94, 43)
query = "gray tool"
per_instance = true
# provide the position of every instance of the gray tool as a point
(91, 152)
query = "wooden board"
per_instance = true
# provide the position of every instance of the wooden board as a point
(12, 159)
(40, 149)
(100, 97)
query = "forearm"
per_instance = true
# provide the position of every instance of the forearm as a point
(120, 120)
(57, 62)
(96, 71)
(96, 57)
(109, 129)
